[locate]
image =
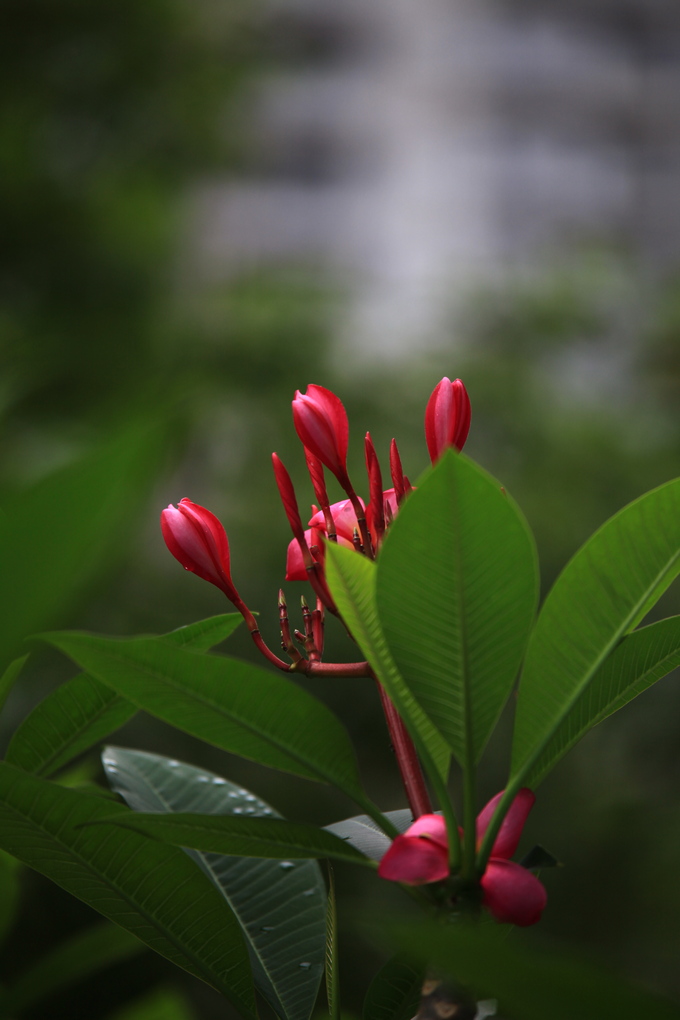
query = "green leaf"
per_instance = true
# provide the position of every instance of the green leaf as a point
(83, 711)
(152, 890)
(641, 659)
(241, 837)
(59, 533)
(9, 678)
(600, 596)
(362, 832)
(528, 982)
(395, 991)
(225, 702)
(332, 966)
(456, 592)
(80, 956)
(161, 1004)
(280, 905)
(351, 580)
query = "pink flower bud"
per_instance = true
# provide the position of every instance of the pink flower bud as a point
(321, 423)
(196, 538)
(447, 417)
(420, 855)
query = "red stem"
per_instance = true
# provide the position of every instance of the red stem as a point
(407, 759)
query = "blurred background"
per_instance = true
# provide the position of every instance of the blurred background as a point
(206, 205)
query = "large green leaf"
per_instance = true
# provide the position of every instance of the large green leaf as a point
(280, 905)
(395, 991)
(228, 703)
(641, 659)
(57, 534)
(152, 890)
(530, 984)
(83, 711)
(600, 596)
(456, 592)
(71, 961)
(351, 579)
(243, 837)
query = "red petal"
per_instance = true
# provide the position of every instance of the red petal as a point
(510, 831)
(512, 894)
(414, 860)
(432, 827)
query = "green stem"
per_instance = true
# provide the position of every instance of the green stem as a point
(469, 818)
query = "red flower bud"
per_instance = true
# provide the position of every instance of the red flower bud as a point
(196, 538)
(321, 423)
(447, 417)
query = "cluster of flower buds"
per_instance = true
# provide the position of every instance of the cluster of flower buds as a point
(511, 893)
(196, 538)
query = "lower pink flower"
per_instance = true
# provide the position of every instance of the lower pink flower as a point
(511, 894)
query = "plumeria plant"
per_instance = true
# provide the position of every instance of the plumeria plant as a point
(436, 583)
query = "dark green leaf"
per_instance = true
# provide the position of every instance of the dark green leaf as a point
(152, 890)
(600, 596)
(351, 579)
(530, 984)
(332, 964)
(394, 993)
(228, 703)
(456, 592)
(280, 905)
(80, 956)
(84, 711)
(641, 659)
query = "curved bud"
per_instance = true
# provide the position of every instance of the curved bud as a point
(321, 423)
(512, 894)
(447, 417)
(196, 538)
(510, 831)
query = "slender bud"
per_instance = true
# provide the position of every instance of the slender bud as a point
(376, 512)
(447, 417)
(396, 471)
(288, 498)
(196, 538)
